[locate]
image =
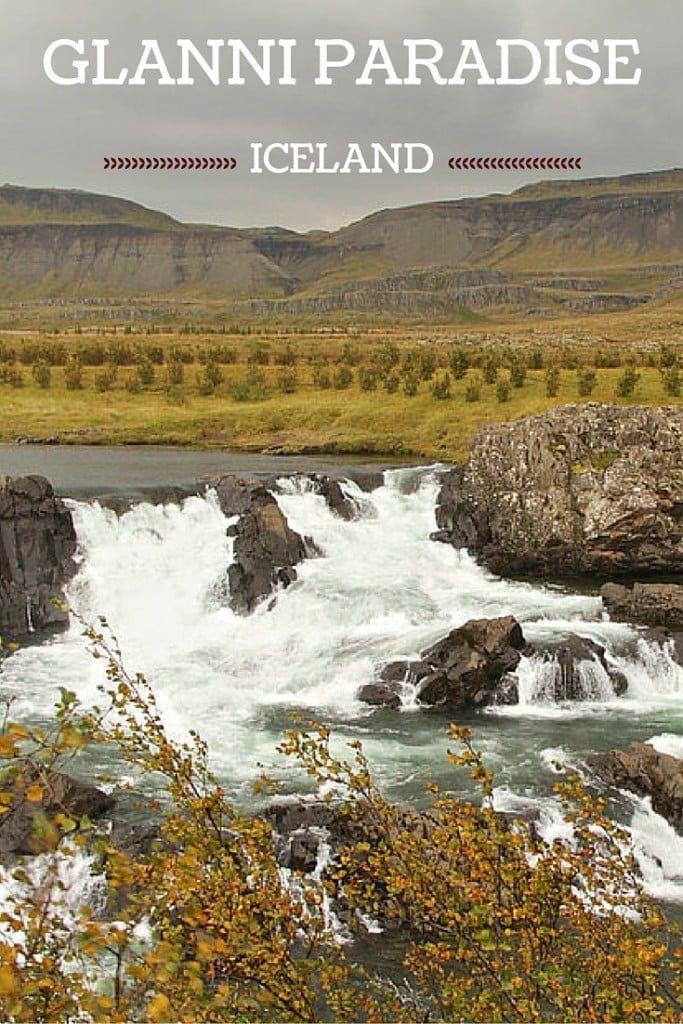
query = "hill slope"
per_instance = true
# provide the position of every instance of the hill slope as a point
(592, 243)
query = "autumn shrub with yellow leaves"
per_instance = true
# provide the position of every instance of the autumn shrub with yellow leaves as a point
(494, 923)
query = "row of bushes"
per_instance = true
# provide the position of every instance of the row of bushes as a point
(422, 359)
(256, 386)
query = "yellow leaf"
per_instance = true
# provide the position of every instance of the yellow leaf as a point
(34, 794)
(8, 747)
(158, 1007)
(18, 732)
(8, 980)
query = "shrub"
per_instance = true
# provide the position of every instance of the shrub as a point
(286, 357)
(175, 372)
(343, 377)
(73, 374)
(490, 369)
(391, 383)
(503, 390)
(608, 359)
(105, 380)
(145, 372)
(251, 388)
(386, 358)
(411, 384)
(321, 378)
(672, 381)
(535, 359)
(460, 363)
(367, 378)
(258, 354)
(41, 374)
(518, 372)
(287, 380)
(668, 357)
(494, 923)
(585, 381)
(441, 386)
(569, 359)
(209, 378)
(473, 390)
(552, 381)
(626, 384)
(427, 363)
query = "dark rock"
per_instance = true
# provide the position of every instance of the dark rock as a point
(299, 829)
(37, 544)
(649, 604)
(646, 772)
(570, 681)
(265, 549)
(465, 669)
(339, 502)
(468, 665)
(582, 489)
(386, 695)
(60, 793)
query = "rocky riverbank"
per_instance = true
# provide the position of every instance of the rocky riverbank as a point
(583, 489)
(37, 545)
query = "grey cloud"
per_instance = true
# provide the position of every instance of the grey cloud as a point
(58, 136)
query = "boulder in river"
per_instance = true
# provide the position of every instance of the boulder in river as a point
(37, 544)
(467, 668)
(336, 497)
(648, 604)
(587, 489)
(578, 670)
(266, 549)
(59, 793)
(647, 772)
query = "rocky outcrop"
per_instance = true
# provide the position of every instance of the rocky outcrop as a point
(475, 665)
(576, 669)
(647, 772)
(53, 793)
(648, 604)
(266, 550)
(582, 489)
(337, 500)
(37, 542)
(468, 668)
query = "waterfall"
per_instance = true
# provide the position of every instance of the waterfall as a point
(381, 590)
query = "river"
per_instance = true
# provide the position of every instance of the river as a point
(381, 590)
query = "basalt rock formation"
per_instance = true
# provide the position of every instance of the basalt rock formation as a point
(470, 667)
(475, 665)
(594, 489)
(577, 669)
(648, 604)
(37, 544)
(266, 549)
(646, 772)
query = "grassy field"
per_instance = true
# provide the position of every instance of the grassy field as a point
(284, 393)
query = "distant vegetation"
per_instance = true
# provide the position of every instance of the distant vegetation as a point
(408, 394)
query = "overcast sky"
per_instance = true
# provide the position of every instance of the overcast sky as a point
(58, 136)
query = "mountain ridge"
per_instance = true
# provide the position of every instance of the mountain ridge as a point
(62, 243)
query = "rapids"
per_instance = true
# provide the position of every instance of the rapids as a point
(381, 590)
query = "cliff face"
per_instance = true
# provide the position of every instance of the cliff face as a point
(120, 258)
(60, 244)
(37, 543)
(595, 489)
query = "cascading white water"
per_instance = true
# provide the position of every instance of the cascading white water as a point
(381, 590)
